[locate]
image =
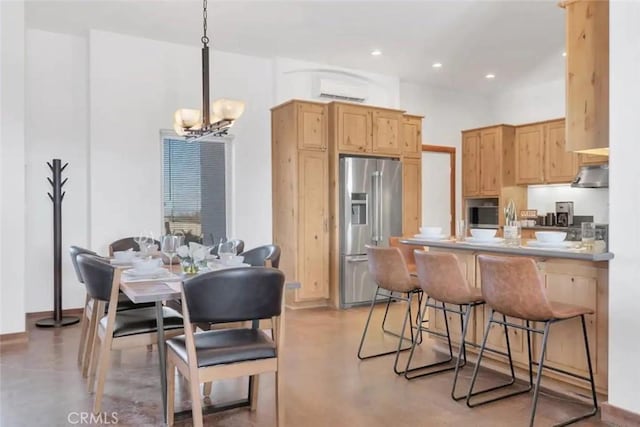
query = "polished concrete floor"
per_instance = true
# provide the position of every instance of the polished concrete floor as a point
(324, 385)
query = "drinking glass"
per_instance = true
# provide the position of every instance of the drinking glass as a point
(169, 246)
(512, 233)
(588, 234)
(226, 250)
(461, 230)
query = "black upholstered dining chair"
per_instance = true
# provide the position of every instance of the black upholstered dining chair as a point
(233, 295)
(267, 255)
(118, 329)
(125, 244)
(237, 243)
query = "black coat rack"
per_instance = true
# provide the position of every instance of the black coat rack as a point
(58, 319)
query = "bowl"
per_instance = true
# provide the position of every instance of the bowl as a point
(550, 236)
(430, 231)
(124, 255)
(483, 233)
(146, 265)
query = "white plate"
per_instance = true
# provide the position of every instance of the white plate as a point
(153, 274)
(563, 244)
(438, 237)
(476, 241)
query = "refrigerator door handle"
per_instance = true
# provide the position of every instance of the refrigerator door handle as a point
(375, 213)
(379, 216)
(361, 259)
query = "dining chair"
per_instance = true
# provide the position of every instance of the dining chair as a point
(118, 329)
(237, 243)
(125, 244)
(267, 255)
(235, 295)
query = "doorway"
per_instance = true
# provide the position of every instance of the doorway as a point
(439, 187)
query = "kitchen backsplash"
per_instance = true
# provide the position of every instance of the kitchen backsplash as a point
(586, 201)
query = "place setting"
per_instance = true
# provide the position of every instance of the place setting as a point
(483, 236)
(554, 240)
(431, 234)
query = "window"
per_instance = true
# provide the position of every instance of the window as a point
(194, 189)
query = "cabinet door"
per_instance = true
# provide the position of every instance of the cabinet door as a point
(386, 132)
(412, 137)
(411, 196)
(354, 129)
(312, 127)
(313, 230)
(530, 154)
(560, 165)
(490, 162)
(470, 160)
(565, 346)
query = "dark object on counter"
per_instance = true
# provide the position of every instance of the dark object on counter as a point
(542, 220)
(551, 219)
(564, 214)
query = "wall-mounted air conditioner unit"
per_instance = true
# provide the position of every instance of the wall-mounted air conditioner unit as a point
(340, 90)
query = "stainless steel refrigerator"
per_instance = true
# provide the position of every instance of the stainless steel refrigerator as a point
(370, 212)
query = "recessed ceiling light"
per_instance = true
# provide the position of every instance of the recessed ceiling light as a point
(376, 52)
(437, 65)
(564, 53)
(490, 76)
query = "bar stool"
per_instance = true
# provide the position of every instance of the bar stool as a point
(513, 287)
(442, 280)
(389, 270)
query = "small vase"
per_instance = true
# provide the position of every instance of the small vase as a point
(188, 266)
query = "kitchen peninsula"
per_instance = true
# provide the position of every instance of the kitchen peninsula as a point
(571, 276)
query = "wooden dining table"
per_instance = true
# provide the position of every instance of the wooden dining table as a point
(159, 291)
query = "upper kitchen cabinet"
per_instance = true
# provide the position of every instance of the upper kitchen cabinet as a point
(412, 136)
(593, 159)
(587, 75)
(529, 146)
(541, 155)
(387, 137)
(312, 126)
(487, 160)
(411, 196)
(354, 128)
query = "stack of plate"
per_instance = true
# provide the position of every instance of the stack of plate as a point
(483, 240)
(551, 240)
(431, 233)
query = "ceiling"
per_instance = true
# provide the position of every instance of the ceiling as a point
(518, 41)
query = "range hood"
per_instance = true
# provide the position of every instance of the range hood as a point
(592, 176)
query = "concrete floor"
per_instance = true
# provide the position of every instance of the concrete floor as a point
(324, 385)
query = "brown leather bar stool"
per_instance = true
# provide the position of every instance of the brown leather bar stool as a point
(407, 253)
(389, 270)
(513, 287)
(442, 280)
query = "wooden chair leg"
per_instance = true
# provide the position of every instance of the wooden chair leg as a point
(279, 402)
(84, 344)
(150, 348)
(90, 340)
(92, 361)
(206, 389)
(196, 404)
(254, 391)
(103, 367)
(171, 381)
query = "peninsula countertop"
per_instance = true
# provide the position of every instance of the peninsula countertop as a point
(581, 255)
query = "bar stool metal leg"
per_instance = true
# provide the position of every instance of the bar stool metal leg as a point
(461, 352)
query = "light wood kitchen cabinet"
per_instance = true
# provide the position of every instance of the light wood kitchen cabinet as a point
(470, 159)
(312, 126)
(529, 145)
(560, 165)
(355, 129)
(300, 191)
(313, 229)
(541, 155)
(411, 196)
(487, 160)
(587, 75)
(386, 132)
(412, 136)
(593, 159)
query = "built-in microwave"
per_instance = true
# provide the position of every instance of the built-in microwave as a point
(482, 212)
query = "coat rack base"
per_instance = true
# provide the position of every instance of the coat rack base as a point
(52, 323)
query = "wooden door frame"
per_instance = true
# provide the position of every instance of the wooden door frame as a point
(452, 179)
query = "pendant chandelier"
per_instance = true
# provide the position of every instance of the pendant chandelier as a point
(214, 119)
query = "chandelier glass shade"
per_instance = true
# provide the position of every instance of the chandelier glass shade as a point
(214, 119)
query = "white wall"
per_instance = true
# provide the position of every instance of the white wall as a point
(586, 201)
(624, 275)
(12, 172)
(446, 113)
(296, 79)
(57, 101)
(531, 103)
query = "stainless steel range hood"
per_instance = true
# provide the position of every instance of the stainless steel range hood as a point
(593, 176)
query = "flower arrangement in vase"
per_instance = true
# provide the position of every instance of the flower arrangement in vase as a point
(191, 257)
